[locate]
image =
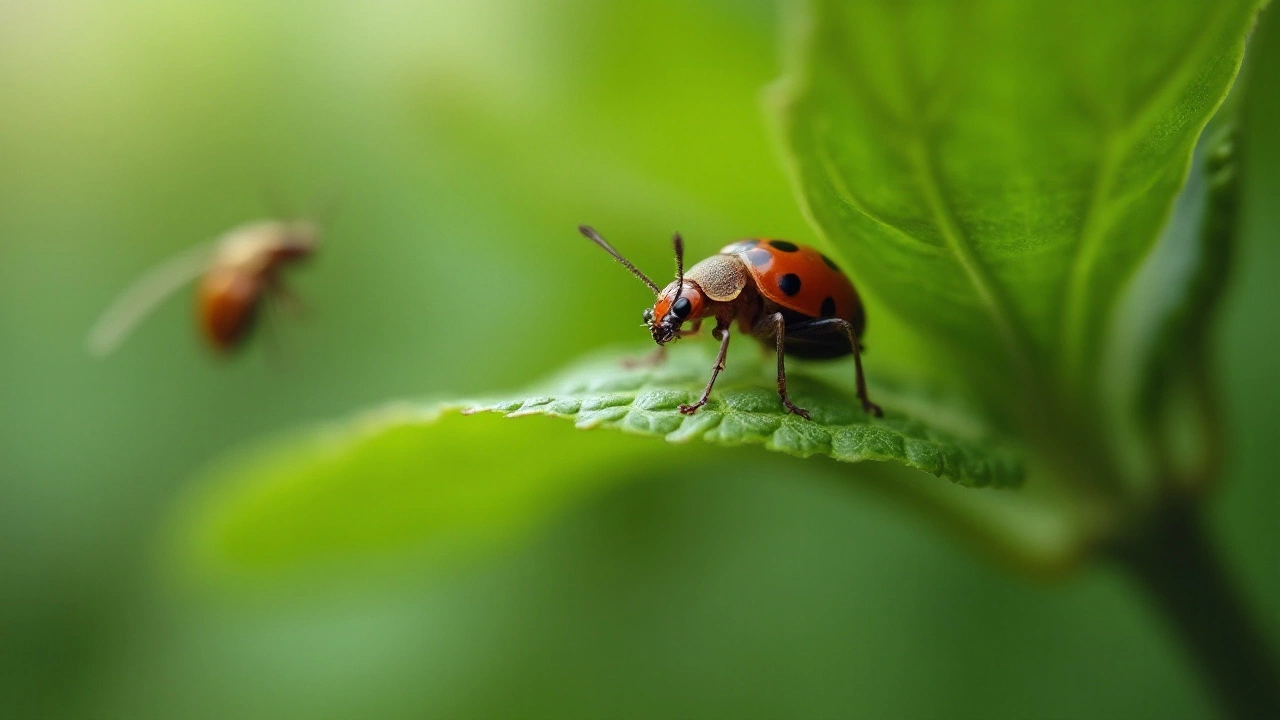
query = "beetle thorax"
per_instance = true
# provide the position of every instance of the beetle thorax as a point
(720, 277)
(258, 246)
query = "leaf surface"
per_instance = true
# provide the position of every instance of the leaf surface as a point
(745, 410)
(996, 171)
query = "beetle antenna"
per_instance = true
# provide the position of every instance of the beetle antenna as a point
(590, 233)
(679, 244)
(145, 295)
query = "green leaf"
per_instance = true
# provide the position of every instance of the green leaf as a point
(745, 410)
(399, 478)
(996, 171)
(412, 476)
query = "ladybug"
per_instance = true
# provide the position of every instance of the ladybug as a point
(786, 295)
(237, 273)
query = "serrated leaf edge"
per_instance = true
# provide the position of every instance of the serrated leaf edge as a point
(789, 434)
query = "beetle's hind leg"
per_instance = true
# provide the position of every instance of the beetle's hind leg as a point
(776, 326)
(838, 325)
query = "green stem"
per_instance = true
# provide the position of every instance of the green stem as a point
(1177, 565)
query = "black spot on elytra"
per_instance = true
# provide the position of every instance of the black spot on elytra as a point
(759, 257)
(830, 263)
(829, 307)
(784, 246)
(789, 284)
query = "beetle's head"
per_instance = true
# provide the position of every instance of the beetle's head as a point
(677, 303)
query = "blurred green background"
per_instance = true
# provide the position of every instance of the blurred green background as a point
(455, 147)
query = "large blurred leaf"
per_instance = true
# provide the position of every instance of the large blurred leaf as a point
(414, 476)
(997, 170)
(391, 480)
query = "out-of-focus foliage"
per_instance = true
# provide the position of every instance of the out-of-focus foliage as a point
(451, 142)
(1164, 417)
(998, 171)
(343, 495)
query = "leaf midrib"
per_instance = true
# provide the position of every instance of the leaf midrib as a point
(988, 291)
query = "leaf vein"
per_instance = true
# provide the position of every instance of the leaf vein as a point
(975, 270)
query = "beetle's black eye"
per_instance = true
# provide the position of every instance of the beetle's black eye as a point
(681, 308)
(648, 315)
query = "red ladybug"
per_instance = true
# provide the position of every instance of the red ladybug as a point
(786, 295)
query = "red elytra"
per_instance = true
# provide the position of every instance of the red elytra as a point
(823, 291)
(786, 295)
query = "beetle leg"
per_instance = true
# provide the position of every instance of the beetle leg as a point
(277, 354)
(776, 326)
(841, 325)
(284, 298)
(721, 333)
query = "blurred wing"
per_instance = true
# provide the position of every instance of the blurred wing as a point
(144, 296)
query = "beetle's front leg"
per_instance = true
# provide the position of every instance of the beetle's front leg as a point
(775, 325)
(721, 333)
